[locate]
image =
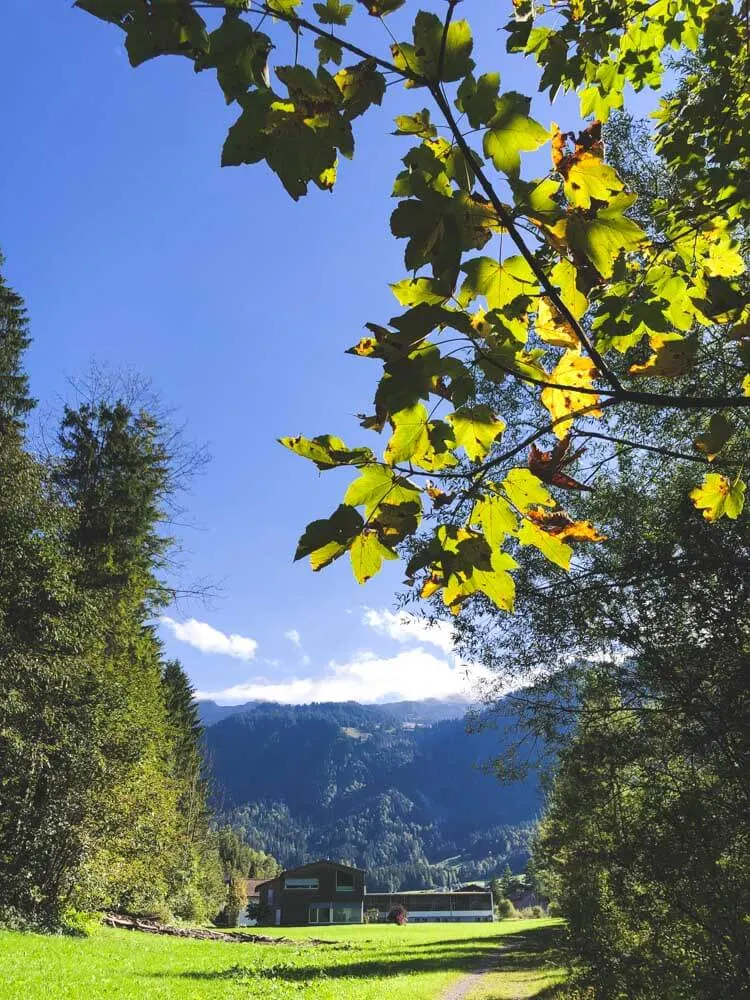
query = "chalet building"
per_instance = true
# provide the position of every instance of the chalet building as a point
(434, 906)
(250, 888)
(325, 892)
(322, 892)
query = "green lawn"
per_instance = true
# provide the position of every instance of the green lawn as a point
(362, 963)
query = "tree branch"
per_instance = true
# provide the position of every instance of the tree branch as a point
(667, 452)
(507, 220)
(301, 22)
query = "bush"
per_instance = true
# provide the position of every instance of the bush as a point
(261, 913)
(506, 910)
(79, 923)
(537, 912)
(398, 915)
(554, 909)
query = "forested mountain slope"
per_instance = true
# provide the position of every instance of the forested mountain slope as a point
(407, 800)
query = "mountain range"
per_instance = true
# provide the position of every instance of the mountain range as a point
(402, 789)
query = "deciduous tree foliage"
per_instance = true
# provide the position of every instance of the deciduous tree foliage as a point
(517, 272)
(102, 799)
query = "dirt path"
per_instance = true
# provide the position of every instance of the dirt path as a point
(466, 984)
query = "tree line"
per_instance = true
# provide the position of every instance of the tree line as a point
(103, 791)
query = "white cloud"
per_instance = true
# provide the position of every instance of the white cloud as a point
(208, 639)
(293, 636)
(305, 661)
(407, 628)
(411, 675)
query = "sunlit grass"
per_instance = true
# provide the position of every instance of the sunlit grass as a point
(361, 963)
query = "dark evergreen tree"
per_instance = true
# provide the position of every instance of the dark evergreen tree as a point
(15, 402)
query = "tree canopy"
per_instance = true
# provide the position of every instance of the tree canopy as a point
(518, 271)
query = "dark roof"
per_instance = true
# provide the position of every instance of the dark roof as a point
(252, 884)
(311, 866)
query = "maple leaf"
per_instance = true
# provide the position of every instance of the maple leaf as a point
(549, 465)
(562, 525)
(673, 355)
(717, 496)
(719, 432)
(572, 370)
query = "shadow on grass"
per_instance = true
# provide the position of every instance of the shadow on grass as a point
(523, 950)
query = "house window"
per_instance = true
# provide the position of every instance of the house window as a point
(320, 914)
(327, 913)
(270, 897)
(301, 883)
(344, 881)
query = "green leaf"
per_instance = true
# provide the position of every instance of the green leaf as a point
(299, 148)
(719, 497)
(239, 56)
(525, 490)
(377, 485)
(501, 283)
(327, 452)
(329, 51)
(114, 11)
(475, 428)
(325, 540)
(719, 432)
(169, 28)
(497, 583)
(420, 291)
(511, 131)
(673, 356)
(423, 57)
(409, 436)
(478, 98)
(379, 8)
(608, 234)
(333, 11)
(589, 177)
(495, 517)
(549, 545)
(367, 554)
(416, 124)
(362, 85)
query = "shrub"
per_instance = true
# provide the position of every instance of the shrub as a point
(537, 912)
(398, 915)
(554, 909)
(506, 910)
(261, 913)
(79, 923)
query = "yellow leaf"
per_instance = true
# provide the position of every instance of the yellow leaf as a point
(673, 356)
(367, 554)
(746, 385)
(549, 545)
(523, 489)
(495, 517)
(581, 531)
(718, 496)
(573, 370)
(552, 327)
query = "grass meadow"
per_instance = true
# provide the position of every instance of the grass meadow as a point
(364, 962)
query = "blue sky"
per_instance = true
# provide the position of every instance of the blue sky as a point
(134, 249)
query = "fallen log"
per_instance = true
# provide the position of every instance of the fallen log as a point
(122, 922)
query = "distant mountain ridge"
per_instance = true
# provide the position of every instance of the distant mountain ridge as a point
(428, 710)
(396, 788)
